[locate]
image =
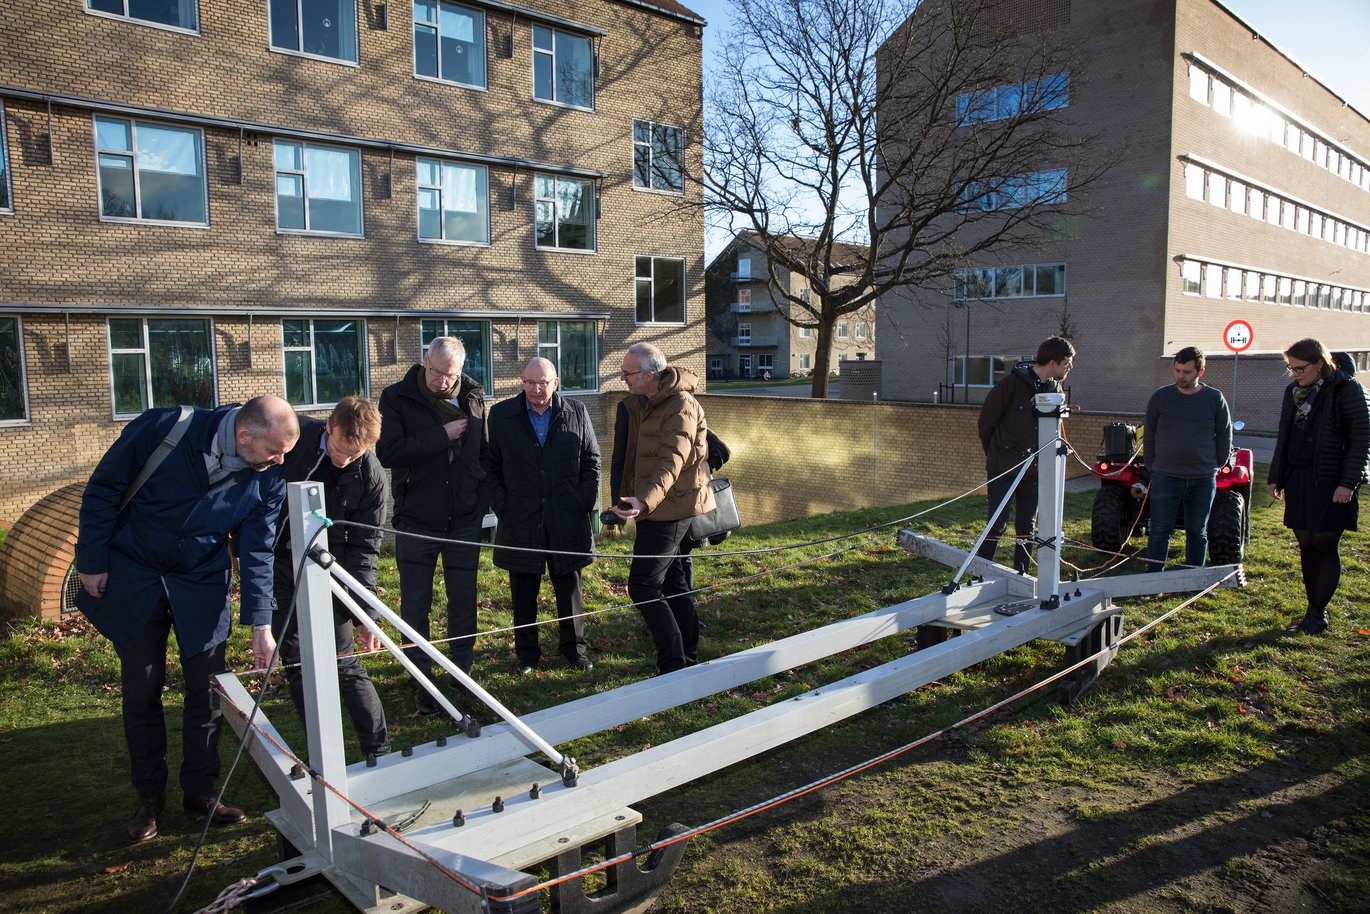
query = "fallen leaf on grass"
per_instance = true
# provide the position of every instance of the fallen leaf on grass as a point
(119, 868)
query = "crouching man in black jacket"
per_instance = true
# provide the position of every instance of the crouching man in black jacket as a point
(337, 454)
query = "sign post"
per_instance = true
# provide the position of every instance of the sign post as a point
(1237, 336)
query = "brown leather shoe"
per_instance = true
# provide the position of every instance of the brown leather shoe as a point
(219, 813)
(143, 825)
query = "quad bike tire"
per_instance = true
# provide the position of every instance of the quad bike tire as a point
(1109, 520)
(1227, 528)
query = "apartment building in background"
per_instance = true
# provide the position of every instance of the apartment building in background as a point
(1241, 192)
(203, 200)
(747, 335)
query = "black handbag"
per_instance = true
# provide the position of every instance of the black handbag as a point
(715, 525)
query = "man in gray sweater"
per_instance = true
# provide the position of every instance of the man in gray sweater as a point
(1187, 440)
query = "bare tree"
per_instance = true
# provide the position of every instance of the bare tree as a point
(915, 134)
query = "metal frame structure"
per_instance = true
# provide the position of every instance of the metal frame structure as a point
(478, 811)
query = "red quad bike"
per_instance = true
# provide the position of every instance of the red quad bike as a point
(1121, 507)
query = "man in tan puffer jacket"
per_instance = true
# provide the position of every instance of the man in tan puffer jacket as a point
(665, 485)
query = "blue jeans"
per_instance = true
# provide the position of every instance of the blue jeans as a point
(1168, 494)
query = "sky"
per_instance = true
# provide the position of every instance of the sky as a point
(1328, 38)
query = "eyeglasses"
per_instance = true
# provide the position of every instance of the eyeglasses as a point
(444, 375)
(528, 382)
(625, 375)
(1297, 369)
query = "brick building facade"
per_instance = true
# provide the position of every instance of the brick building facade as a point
(748, 337)
(1241, 190)
(207, 200)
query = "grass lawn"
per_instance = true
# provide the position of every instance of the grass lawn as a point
(1219, 765)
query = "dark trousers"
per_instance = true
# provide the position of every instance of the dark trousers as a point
(1166, 495)
(143, 675)
(355, 686)
(1024, 508)
(570, 611)
(659, 583)
(417, 559)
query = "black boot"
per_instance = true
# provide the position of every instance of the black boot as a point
(1314, 622)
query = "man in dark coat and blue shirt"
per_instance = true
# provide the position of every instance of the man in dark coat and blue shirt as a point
(1186, 440)
(336, 453)
(433, 440)
(543, 469)
(162, 562)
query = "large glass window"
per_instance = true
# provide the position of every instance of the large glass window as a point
(449, 42)
(325, 360)
(180, 14)
(454, 202)
(160, 362)
(565, 212)
(1028, 280)
(1037, 188)
(14, 399)
(570, 345)
(152, 172)
(318, 189)
(982, 370)
(474, 335)
(998, 102)
(6, 191)
(661, 290)
(321, 28)
(563, 67)
(658, 157)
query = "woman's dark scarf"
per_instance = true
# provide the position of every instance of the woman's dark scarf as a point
(1304, 398)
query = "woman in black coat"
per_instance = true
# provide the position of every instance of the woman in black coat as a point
(1320, 462)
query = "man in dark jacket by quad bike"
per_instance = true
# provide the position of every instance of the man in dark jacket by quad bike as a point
(1008, 434)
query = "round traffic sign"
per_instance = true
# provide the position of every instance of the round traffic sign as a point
(1238, 336)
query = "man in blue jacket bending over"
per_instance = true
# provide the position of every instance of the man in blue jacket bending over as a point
(161, 562)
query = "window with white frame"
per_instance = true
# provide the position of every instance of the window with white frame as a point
(715, 366)
(449, 42)
(318, 28)
(150, 172)
(325, 360)
(176, 14)
(744, 366)
(160, 362)
(805, 333)
(14, 394)
(6, 189)
(842, 330)
(563, 67)
(318, 189)
(805, 361)
(660, 290)
(475, 337)
(565, 212)
(744, 334)
(765, 362)
(861, 331)
(1191, 271)
(454, 202)
(744, 267)
(658, 157)
(571, 346)
(982, 370)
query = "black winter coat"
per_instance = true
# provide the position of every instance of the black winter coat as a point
(544, 495)
(1339, 425)
(1007, 425)
(358, 492)
(436, 482)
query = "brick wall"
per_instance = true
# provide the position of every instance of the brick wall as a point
(795, 457)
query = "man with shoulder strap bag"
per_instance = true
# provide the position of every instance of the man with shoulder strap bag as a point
(152, 557)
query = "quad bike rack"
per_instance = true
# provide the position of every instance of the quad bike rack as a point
(456, 824)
